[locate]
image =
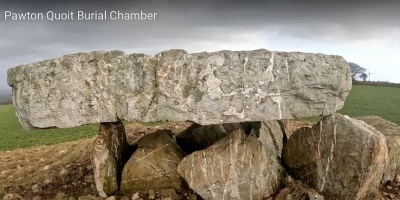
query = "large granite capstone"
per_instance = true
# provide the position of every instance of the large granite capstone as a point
(206, 88)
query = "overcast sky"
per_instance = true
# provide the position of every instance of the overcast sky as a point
(363, 32)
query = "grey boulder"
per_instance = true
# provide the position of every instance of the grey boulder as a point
(235, 167)
(153, 166)
(206, 88)
(340, 157)
(392, 133)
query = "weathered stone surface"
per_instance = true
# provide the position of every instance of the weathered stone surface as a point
(340, 157)
(198, 137)
(284, 123)
(270, 134)
(392, 133)
(153, 165)
(235, 167)
(206, 88)
(109, 154)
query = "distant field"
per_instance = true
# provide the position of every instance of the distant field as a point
(373, 100)
(13, 136)
(362, 100)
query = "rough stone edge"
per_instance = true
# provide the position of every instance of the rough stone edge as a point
(11, 73)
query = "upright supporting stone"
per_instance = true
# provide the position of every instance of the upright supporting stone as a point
(340, 157)
(236, 167)
(109, 155)
(392, 133)
(153, 165)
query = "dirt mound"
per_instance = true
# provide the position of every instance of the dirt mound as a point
(47, 170)
(62, 170)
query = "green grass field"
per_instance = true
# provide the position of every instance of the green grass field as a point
(362, 100)
(366, 100)
(14, 136)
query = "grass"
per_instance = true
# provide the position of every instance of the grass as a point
(13, 136)
(363, 100)
(366, 100)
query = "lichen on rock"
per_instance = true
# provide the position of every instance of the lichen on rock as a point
(206, 87)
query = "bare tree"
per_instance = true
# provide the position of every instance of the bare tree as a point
(363, 76)
(356, 70)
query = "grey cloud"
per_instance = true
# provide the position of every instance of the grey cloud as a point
(182, 23)
(309, 18)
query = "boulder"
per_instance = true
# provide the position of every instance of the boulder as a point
(109, 155)
(392, 133)
(206, 88)
(198, 137)
(340, 157)
(153, 165)
(271, 135)
(235, 167)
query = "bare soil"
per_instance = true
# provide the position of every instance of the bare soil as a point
(64, 169)
(61, 171)
(294, 125)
